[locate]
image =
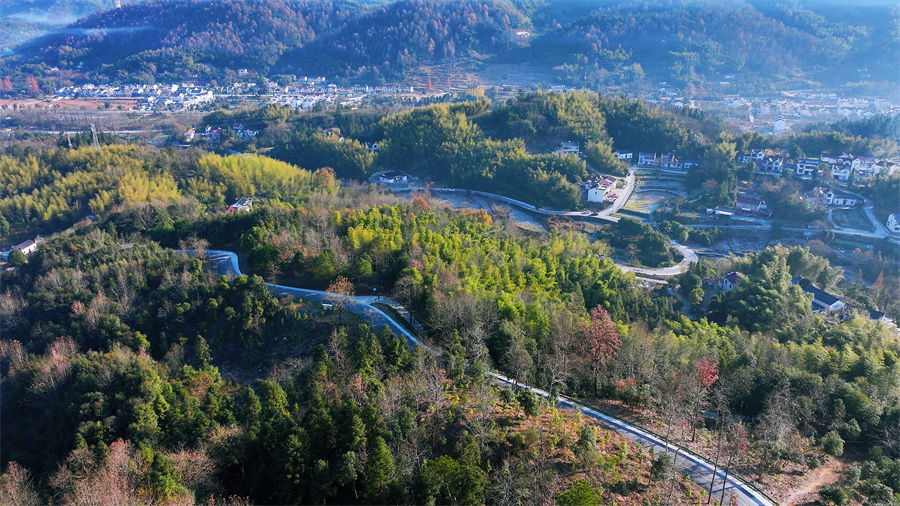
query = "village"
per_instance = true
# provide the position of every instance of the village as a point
(777, 113)
(299, 93)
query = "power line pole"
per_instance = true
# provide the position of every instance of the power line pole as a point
(96, 142)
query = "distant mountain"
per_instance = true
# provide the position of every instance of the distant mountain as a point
(171, 40)
(53, 12)
(691, 42)
(395, 38)
(23, 20)
(584, 43)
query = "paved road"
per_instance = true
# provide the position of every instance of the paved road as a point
(623, 197)
(869, 210)
(699, 469)
(690, 257)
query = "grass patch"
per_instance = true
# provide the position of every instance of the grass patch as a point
(851, 218)
(646, 202)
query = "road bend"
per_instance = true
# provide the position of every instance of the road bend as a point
(736, 490)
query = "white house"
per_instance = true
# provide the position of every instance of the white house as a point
(779, 124)
(598, 190)
(647, 159)
(28, 247)
(770, 165)
(841, 172)
(393, 176)
(623, 155)
(597, 194)
(750, 205)
(567, 148)
(832, 198)
(806, 167)
(728, 281)
(754, 155)
(893, 223)
(243, 204)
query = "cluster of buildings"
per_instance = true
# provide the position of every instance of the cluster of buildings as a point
(829, 197)
(665, 161)
(313, 93)
(213, 134)
(861, 167)
(800, 107)
(598, 189)
(822, 301)
(150, 96)
(302, 93)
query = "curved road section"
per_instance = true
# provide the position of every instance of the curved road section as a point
(700, 469)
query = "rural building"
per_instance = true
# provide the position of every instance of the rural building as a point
(394, 176)
(750, 205)
(242, 204)
(893, 223)
(728, 281)
(567, 148)
(832, 198)
(822, 300)
(28, 247)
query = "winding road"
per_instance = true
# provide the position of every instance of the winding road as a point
(735, 490)
(690, 256)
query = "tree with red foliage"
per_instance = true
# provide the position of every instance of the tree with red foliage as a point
(600, 340)
(31, 85)
(707, 375)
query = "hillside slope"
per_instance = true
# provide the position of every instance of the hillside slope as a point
(632, 44)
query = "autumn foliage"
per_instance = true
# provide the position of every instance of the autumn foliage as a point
(600, 340)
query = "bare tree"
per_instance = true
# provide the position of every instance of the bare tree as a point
(193, 243)
(557, 359)
(517, 359)
(776, 429)
(16, 487)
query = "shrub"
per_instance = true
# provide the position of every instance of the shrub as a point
(832, 444)
(661, 467)
(834, 495)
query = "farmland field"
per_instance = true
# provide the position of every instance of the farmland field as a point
(851, 218)
(645, 202)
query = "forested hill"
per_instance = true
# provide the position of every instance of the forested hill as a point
(397, 37)
(52, 12)
(171, 40)
(631, 43)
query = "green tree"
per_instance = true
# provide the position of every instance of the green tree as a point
(379, 472)
(582, 493)
(17, 258)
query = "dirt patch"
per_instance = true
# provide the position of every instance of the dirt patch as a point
(806, 491)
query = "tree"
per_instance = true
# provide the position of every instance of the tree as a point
(379, 471)
(707, 375)
(17, 258)
(582, 493)
(600, 340)
(586, 446)
(736, 444)
(340, 293)
(661, 467)
(16, 487)
(832, 444)
(528, 401)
